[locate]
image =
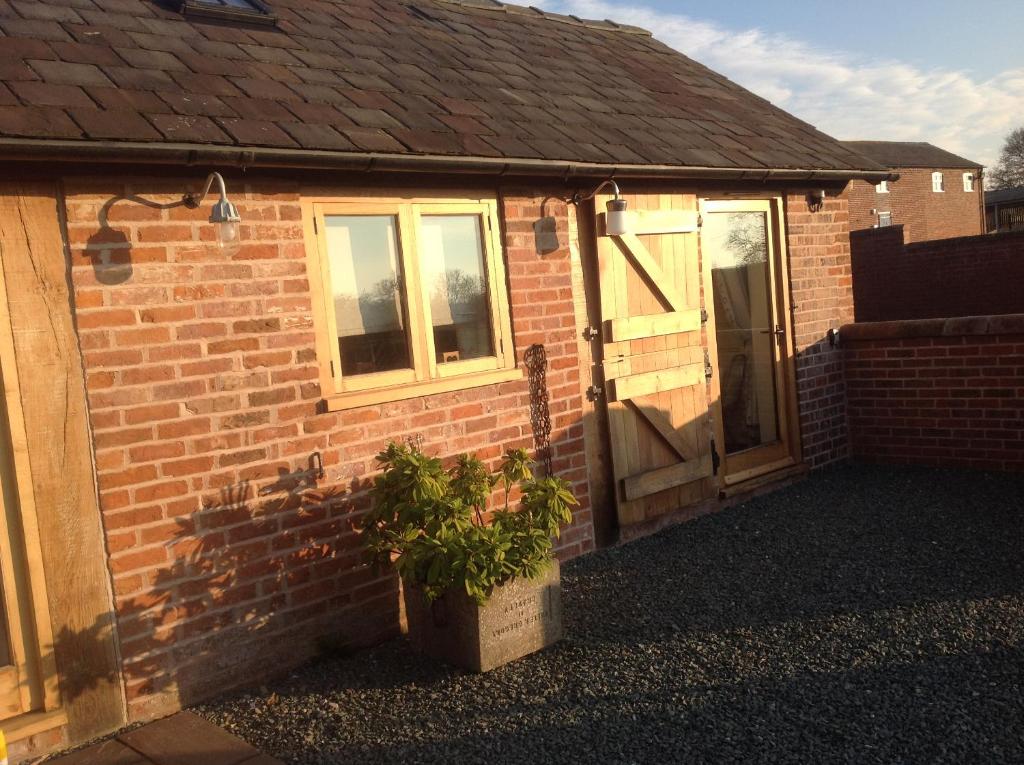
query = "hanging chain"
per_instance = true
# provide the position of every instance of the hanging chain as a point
(536, 358)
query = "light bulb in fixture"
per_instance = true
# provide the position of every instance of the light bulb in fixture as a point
(224, 215)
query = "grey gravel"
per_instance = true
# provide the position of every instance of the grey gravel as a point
(867, 614)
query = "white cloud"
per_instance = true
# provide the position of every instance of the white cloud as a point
(843, 94)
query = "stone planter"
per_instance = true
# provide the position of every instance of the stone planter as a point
(521, 617)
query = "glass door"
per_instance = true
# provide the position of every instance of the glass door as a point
(748, 338)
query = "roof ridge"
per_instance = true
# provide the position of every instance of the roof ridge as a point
(494, 5)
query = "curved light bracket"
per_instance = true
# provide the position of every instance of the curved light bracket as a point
(580, 197)
(615, 220)
(223, 213)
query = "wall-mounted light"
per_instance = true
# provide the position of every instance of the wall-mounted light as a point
(223, 215)
(616, 222)
(816, 199)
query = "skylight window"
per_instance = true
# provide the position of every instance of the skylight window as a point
(253, 11)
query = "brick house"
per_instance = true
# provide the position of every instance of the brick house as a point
(938, 195)
(193, 407)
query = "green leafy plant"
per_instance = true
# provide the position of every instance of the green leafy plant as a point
(429, 522)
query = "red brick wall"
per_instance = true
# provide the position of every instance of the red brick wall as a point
(971, 276)
(924, 214)
(946, 393)
(818, 246)
(228, 556)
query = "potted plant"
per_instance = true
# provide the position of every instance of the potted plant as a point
(477, 594)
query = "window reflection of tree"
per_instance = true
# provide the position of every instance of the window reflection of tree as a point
(371, 329)
(460, 316)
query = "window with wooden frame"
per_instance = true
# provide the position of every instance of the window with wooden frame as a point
(968, 182)
(938, 182)
(414, 298)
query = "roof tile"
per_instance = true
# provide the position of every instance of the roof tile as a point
(188, 129)
(13, 71)
(317, 136)
(45, 12)
(258, 88)
(198, 104)
(369, 139)
(318, 113)
(45, 94)
(94, 35)
(37, 122)
(7, 97)
(65, 73)
(126, 100)
(207, 84)
(255, 132)
(258, 108)
(110, 124)
(151, 59)
(32, 28)
(20, 48)
(142, 79)
(85, 53)
(371, 118)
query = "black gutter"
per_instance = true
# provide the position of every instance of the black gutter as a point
(20, 149)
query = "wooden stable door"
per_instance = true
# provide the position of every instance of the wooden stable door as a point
(654, 362)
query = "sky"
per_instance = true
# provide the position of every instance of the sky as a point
(950, 72)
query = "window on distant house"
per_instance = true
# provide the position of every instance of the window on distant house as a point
(240, 10)
(884, 219)
(968, 181)
(414, 298)
(882, 188)
(938, 184)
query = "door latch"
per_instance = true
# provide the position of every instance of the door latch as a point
(591, 333)
(594, 392)
(779, 332)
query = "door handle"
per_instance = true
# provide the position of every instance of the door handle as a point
(779, 332)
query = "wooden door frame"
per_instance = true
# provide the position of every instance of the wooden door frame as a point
(789, 425)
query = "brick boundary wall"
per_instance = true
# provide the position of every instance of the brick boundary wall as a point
(969, 276)
(230, 559)
(939, 392)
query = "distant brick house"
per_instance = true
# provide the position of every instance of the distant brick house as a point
(194, 402)
(938, 195)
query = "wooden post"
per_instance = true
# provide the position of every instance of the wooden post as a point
(35, 286)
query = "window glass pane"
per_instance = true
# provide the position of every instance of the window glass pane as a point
(244, 5)
(454, 272)
(737, 244)
(369, 296)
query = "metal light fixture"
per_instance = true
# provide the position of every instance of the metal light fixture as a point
(816, 200)
(616, 222)
(223, 214)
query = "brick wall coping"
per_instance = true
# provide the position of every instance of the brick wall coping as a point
(1008, 324)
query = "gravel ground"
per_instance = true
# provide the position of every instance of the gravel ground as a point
(864, 615)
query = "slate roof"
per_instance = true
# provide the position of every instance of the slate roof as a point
(465, 78)
(1002, 196)
(897, 154)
